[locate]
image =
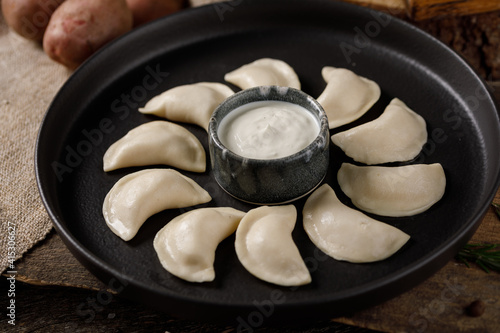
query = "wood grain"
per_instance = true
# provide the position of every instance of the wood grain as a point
(51, 263)
(399, 7)
(425, 9)
(54, 309)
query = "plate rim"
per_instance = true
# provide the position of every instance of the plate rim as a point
(98, 265)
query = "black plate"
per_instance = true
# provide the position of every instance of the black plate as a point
(98, 105)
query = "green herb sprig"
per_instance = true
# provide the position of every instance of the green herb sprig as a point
(486, 256)
(497, 209)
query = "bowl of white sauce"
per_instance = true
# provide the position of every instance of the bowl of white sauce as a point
(269, 144)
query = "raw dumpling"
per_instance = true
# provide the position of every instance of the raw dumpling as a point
(347, 96)
(393, 191)
(264, 72)
(190, 103)
(345, 233)
(397, 135)
(265, 247)
(139, 195)
(157, 142)
(186, 245)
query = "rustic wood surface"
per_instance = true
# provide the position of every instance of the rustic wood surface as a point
(419, 10)
(399, 7)
(415, 9)
(425, 9)
(474, 37)
(54, 309)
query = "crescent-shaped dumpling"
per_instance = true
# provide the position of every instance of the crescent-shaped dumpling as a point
(186, 245)
(157, 142)
(347, 96)
(393, 191)
(139, 195)
(264, 72)
(346, 234)
(397, 135)
(190, 103)
(265, 247)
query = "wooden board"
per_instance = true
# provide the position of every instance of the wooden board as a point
(425, 9)
(63, 309)
(395, 7)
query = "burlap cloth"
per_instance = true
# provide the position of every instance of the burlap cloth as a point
(29, 81)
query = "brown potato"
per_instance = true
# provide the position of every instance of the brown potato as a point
(29, 18)
(78, 28)
(148, 10)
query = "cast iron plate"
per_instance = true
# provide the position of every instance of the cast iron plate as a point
(98, 105)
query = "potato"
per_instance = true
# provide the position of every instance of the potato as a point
(78, 28)
(29, 18)
(148, 10)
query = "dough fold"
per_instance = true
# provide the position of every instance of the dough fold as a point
(347, 96)
(397, 135)
(139, 195)
(265, 247)
(186, 245)
(393, 191)
(346, 234)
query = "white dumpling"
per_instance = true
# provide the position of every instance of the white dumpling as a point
(397, 135)
(156, 142)
(346, 234)
(393, 191)
(347, 96)
(190, 103)
(186, 245)
(265, 247)
(139, 195)
(264, 72)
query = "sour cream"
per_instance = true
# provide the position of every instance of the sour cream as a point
(268, 129)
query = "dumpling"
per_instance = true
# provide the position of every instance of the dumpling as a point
(346, 234)
(186, 245)
(157, 142)
(190, 103)
(265, 247)
(393, 191)
(264, 72)
(347, 96)
(397, 135)
(139, 195)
